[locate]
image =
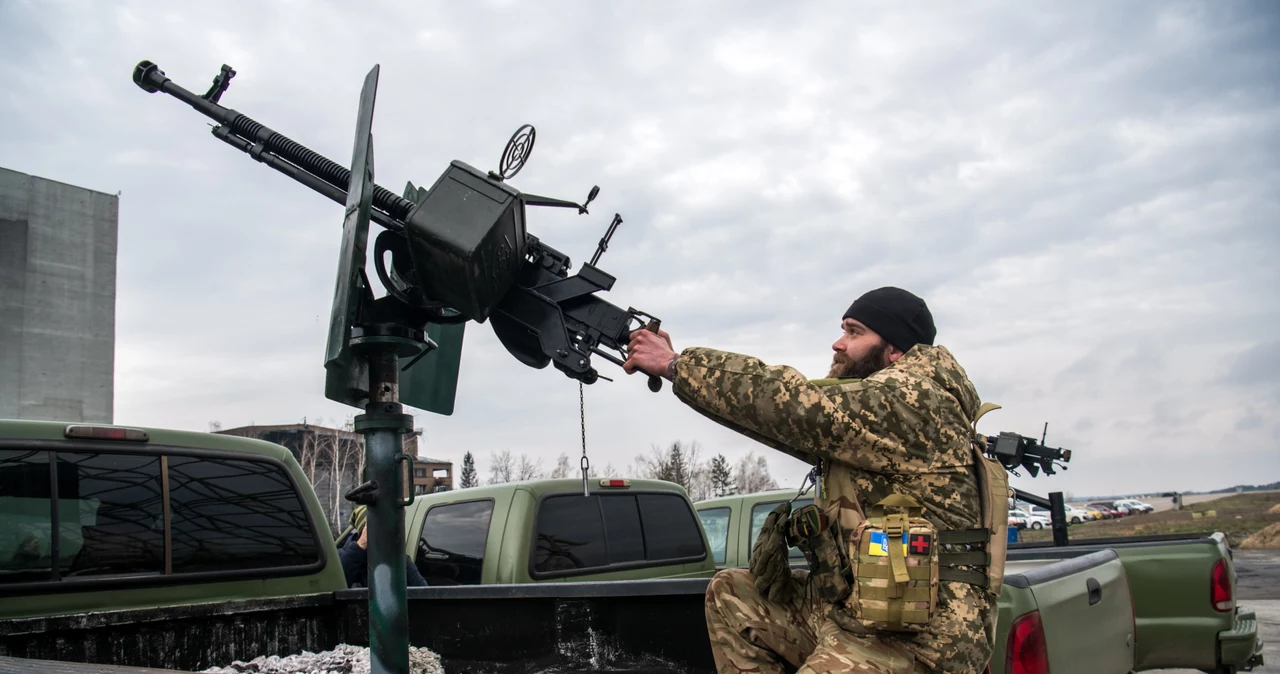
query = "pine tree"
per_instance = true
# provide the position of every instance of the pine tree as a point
(469, 478)
(721, 476)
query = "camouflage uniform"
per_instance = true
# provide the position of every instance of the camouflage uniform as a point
(905, 429)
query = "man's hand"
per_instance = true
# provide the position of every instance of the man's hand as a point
(363, 541)
(649, 352)
(770, 564)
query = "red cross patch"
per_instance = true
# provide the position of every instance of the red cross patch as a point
(920, 544)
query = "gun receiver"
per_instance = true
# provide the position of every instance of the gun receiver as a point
(459, 250)
(1014, 451)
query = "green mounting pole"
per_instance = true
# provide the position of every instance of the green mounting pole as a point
(362, 370)
(383, 424)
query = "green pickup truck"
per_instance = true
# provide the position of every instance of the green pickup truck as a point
(98, 517)
(1139, 603)
(547, 531)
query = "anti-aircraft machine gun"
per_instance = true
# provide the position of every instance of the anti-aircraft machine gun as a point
(1015, 451)
(449, 254)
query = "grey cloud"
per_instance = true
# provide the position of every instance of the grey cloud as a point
(1086, 199)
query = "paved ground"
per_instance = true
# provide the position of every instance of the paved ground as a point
(1258, 587)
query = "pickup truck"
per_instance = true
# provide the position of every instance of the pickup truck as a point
(547, 531)
(169, 549)
(1130, 599)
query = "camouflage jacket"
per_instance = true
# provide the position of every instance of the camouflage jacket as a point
(905, 429)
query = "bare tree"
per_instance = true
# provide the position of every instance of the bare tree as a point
(753, 475)
(678, 463)
(529, 469)
(308, 455)
(501, 468)
(562, 467)
(215, 426)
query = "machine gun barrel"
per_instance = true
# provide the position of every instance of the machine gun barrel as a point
(275, 149)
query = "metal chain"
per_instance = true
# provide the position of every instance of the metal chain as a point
(582, 419)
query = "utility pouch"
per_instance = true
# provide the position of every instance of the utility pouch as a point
(894, 563)
(817, 534)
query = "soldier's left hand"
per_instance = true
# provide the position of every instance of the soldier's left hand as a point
(649, 352)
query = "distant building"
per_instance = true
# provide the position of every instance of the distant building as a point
(57, 300)
(333, 459)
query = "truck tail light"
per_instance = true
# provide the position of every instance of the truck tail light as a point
(615, 483)
(1220, 588)
(1026, 652)
(84, 432)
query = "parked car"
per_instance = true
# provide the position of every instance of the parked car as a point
(1074, 515)
(1135, 506)
(1108, 511)
(1034, 521)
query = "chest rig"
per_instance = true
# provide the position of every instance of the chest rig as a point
(885, 568)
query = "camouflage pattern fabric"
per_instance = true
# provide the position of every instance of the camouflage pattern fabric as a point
(749, 633)
(905, 429)
(770, 563)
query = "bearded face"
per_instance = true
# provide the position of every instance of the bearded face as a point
(871, 361)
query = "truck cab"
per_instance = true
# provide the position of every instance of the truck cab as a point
(731, 541)
(542, 531)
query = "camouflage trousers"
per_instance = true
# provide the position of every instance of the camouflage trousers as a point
(749, 633)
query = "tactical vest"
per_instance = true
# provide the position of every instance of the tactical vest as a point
(888, 575)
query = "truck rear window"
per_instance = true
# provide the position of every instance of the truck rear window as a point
(113, 518)
(579, 534)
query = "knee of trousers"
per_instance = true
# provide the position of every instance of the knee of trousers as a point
(726, 582)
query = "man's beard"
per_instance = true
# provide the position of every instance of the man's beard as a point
(843, 367)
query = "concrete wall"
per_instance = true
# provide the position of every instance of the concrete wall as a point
(57, 300)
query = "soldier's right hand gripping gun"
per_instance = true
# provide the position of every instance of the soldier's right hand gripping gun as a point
(458, 250)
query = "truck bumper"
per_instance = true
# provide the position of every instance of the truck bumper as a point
(1240, 647)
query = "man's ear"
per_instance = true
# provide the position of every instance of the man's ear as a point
(892, 354)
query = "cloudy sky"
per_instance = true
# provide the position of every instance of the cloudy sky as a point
(1085, 194)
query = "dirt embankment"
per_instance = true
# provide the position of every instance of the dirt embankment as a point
(1268, 538)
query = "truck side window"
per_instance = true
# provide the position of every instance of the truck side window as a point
(670, 530)
(25, 515)
(760, 512)
(451, 548)
(230, 514)
(110, 514)
(716, 523)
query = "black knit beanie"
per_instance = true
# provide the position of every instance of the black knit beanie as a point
(900, 318)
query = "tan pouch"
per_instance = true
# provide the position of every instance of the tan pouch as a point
(894, 564)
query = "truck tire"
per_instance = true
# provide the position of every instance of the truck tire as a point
(1037, 525)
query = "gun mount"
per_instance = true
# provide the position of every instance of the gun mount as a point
(458, 251)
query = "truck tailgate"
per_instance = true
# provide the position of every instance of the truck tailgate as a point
(1084, 605)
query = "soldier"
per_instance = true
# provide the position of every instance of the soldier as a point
(890, 426)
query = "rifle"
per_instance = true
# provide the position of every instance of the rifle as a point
(1014, 451)
(459, 250)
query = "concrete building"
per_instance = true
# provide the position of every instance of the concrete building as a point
(57, 300)
(333, 460)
